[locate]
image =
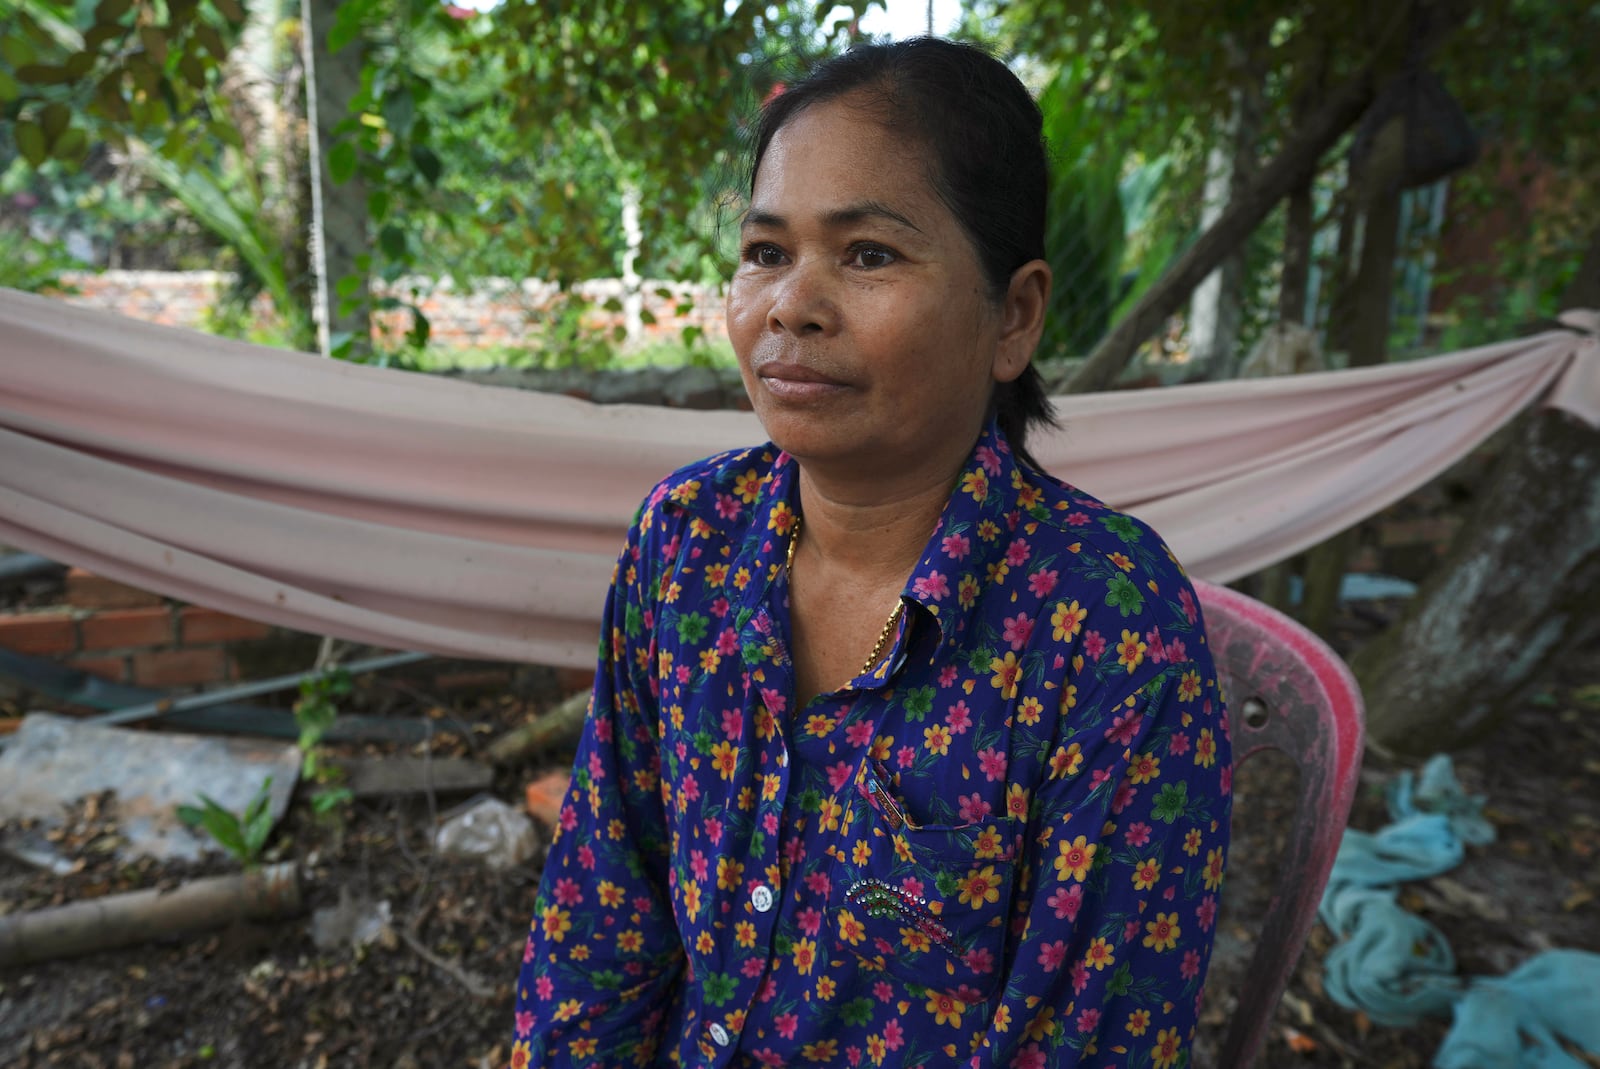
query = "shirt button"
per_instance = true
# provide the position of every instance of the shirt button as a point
(720, 1035)
(761, 898)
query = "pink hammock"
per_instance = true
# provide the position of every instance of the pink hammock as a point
(422, 513)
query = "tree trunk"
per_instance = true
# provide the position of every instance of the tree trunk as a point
(1294, 165)
(339, 230)
(1218, 305)
(1517, 589)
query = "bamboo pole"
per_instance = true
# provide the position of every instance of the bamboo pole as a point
(138, 916)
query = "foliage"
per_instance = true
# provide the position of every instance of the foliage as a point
(31, 265)
(315, 712)
(242, 835)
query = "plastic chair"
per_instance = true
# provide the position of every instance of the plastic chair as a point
(1288, 691)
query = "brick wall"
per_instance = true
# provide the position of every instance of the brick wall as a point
(132, 636)
(500, 312)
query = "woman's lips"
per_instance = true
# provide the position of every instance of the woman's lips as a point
(797, 382)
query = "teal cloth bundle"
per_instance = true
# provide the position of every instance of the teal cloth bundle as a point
(1398, 968)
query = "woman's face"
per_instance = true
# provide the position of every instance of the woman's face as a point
(861, 318)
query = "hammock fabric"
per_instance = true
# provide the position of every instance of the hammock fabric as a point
(416, 512)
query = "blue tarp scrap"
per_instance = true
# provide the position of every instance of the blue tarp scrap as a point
(1397, 968)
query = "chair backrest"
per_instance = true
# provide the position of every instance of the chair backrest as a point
(1286, 690)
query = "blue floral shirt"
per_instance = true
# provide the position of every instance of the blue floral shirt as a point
(1002, 846)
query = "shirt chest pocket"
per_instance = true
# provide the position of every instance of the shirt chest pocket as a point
(925, 904)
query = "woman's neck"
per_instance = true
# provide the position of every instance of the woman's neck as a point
(876, 537)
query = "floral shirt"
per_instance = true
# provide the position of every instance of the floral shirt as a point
(1001, 846)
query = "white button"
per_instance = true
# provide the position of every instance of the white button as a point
(720, 1034)
(761, 898)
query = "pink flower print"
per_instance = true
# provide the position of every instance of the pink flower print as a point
(774, 700)
(1029, 1057)
(586, 856)
(894, 1036)
(1052, 955)
(993, 763)
(699, 865)
(714, 830)
(1227, 780)
(769, 823)
(882, 991)
(956, 546)
(987, 457)
(728, 507)
(752, 967)
(959, 718)
(973, 808)
(569, 817)
(1178, 745)
(934, 585)
(1206, 912)
(1077, 519)
(1018, 552)
(1157, 652)
(818, 883)
(911, 886)
(1130, 930)
(1093, 645)
(905, 756)
(1125, 728)
(568, 893)
(1042, 582)
(545, 986)
(1137, 835)
(979, 959)
(1018, 629)
(948, 676)
(1089, 1020)
(527, 956)
(1098, 776)
(1124, 796)
(839, 772)
(1080, 977)
(1186, 599)
(859, 733)
(1066, 902)
(1177, 652)
(786, 1023)
(810, 920)
(732, 724)
(1191, 965)
(728, 642)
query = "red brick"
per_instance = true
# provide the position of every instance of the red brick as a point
(574, 680)
(209, 625)
(42, 633)
(89, 591)
(546, 795)
(177, 668)
(112, 668)
(10, 724)
(120, 628)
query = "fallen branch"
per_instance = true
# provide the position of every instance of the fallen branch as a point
(138, 916)
(557, 728)
(476, 987)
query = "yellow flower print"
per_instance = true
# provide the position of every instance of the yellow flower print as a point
(610, 894)
(1162, 933)
(828, 817)
(1067, 620)
(1075, 859)
(937, 739)
(557, 923)
(716, 574)
(685, 492)
(729, 873)
(1099, 955)
(1189, 686)
(1213, 870)
(1017, 802)
(748, 486)
(699, 528)
(823, 1050)
(781, 518)
(1146, 873)
(583, 1047)
(1191, 842)
(851, 930)
(915, 940)
(741, 578)
(1067, 761)
(861, 853)
(998, 570)
(1069, 698)
(1007, 673)
(1168, 1047)
(1144, 768)
(881, 747)
(704, 943)
(1205, 749)
(1130, 651)
(568, 1009)
(946, 1010)
(1121, 561)
(1029, 711)
(745, 933)
(671, 592)
(724, 758)
(709, 660)
(1138, 1022)
(988, 530)
(967, 591)
(988, 844)
(980, 888)
(826, 988)
(877, 1049)
(975, 483)
(1042, 1027)
(691, 898)
(805, 956)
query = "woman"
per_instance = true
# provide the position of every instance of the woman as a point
(901, 751)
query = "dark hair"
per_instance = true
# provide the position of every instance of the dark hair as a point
(985, 139)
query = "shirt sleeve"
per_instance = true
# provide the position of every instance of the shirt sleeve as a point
(1118, 887)
(603, 955)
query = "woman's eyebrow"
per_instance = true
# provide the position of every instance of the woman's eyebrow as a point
(848, 215)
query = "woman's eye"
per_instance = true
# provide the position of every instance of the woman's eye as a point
(763, 255)
(872, 256)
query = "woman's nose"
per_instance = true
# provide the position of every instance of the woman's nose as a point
(803, 301)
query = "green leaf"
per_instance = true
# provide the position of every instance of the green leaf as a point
(193, 69)
(342, 161)
(392, 240)
(378, 205)
(31, 143)
(9, 89)
(230, 10)
(16, 51)
(71, 147)
(43, 74)
(155, 42)
(427, 163)
(109, 11)
(53, 120)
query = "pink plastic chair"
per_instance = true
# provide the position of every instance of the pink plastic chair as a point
(1286, 690)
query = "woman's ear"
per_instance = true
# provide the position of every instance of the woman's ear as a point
(1021, 319)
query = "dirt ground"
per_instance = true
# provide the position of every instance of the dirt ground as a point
(437, 992)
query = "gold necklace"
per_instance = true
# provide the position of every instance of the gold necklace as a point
(889, 625)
